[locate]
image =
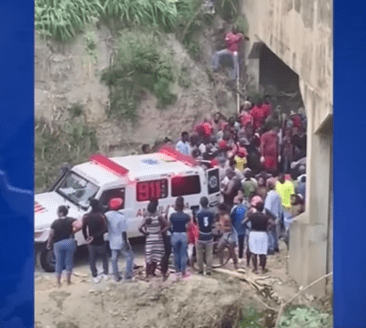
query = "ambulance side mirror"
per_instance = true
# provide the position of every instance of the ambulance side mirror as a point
(65, 168)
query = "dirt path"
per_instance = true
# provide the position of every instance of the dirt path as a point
(194, 302)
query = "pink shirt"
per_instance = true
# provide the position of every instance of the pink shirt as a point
(232, 41)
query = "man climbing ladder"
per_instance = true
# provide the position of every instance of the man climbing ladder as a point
(233, 39)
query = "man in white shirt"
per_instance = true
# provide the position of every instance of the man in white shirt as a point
(183, 145)
(118, 242)
(223, 166)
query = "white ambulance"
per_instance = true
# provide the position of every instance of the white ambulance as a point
(136, 179)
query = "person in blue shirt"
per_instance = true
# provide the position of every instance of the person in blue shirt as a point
(178, 224)
(273, 206)
(237, 215)
(205, 218)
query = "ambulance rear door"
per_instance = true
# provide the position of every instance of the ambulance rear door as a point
(213, 186)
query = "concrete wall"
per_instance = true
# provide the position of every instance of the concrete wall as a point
(300, 33)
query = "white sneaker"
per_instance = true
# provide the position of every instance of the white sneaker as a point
(96, 279)
(105, 277)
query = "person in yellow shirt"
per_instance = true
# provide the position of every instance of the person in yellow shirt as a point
(241, 159)
(285, 188)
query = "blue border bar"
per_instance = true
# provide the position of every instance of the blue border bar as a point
(16, 163)
(349, 164)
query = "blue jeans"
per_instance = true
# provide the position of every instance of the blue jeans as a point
(127, 252)
(180, 247)
(273, 237)
(217, 58)
(287, 219)
(272, 240)
(64, 251)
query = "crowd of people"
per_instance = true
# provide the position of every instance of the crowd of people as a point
(261, 156)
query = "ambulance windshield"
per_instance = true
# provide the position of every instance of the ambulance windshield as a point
(77, 189)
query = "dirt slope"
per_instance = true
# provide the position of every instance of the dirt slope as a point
(195, 302)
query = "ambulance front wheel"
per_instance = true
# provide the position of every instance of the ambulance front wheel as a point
(47, 260)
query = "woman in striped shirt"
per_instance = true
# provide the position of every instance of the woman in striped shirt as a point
(153, 227)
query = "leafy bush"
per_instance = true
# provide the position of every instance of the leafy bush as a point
(184, 79)
(63, 19)
(75, 110)
(72, 143)
(193, 48)
(254, 96)
(251, 318)
(141, 62)
(300, 317)
(241, 24)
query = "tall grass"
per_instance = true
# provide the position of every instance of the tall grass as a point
(141, 12)
(61, 20)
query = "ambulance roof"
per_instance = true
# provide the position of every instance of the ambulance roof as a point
(139, 167)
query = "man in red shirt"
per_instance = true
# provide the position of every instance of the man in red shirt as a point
(258, 115)
(233, 40)
(269, 150)
(296, 118)
(267, 106)
(245, 116)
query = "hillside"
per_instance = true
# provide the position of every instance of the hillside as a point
(112, 87)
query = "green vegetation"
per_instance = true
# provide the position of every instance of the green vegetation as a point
(141, 62)
(184, 78)
(294, 317)
(303, 317)
(91, 41)
(73, 143)
(75, 110)
(241, 24)
(191, 21)
(61, 20)
(128, 13)
(254, 96)
(251, 318)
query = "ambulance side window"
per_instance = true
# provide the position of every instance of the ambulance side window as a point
(189, 185)
(112, 193)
